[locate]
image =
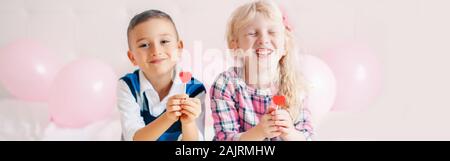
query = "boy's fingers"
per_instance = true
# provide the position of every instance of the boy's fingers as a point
(194, 100)
(191, 109)
(173, 102)
(177, 101)
(174, 108)
(187, 113)
(178, 96)
(189, 103)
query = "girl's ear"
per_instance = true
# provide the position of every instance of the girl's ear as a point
(284, 52)
(286, 45)
(233, 44)
(131, 57)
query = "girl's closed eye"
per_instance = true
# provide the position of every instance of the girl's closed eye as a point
(273, 32)
(252, 33)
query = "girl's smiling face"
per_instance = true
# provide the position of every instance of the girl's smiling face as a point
(154, 46)
(263, 41)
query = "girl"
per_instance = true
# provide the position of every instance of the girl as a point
(241, 97)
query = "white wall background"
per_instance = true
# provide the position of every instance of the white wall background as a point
(410, 37)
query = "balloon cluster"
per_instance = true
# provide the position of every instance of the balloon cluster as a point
(345, 78)
(77, 93)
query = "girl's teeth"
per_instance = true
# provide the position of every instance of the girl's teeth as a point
(263, 51)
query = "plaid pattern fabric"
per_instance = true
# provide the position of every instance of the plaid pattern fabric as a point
(237, 107)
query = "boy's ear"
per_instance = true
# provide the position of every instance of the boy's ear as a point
(131, 57)
(180, 44)
(180, 47)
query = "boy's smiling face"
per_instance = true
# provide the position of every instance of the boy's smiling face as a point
(154, 47)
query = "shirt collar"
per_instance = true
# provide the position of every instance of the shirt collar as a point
(176, 88)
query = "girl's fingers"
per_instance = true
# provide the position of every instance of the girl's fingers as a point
(269, 117)
(278, 118)
(275, 134)
(273, 128)
(284, 130)
(272, 108)
(268, 121)
(271, 131)
(282, 116)
(282, 123)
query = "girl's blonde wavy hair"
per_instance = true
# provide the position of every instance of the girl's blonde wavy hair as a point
(290, 83)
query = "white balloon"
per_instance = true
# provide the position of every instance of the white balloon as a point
(322, 86)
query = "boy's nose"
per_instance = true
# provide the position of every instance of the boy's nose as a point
(155, 50)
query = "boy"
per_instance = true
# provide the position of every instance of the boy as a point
(152, 100)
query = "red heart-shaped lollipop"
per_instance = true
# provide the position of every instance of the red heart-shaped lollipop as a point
(185, 76)
(279, 100)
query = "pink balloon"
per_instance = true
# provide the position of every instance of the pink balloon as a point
(322, 85)
(83, 92)
(358, 76)
(27, 70)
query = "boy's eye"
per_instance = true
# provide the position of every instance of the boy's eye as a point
(165, 41)
(144, 46)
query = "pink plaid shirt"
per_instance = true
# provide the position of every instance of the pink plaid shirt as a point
(237, 107)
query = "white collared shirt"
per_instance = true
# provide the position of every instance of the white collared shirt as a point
(129, 109)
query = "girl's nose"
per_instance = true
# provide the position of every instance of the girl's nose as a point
(263, 39)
